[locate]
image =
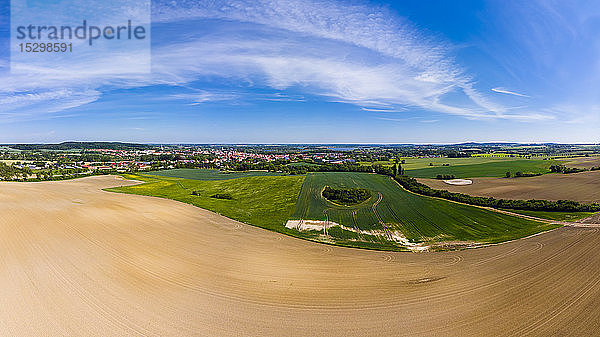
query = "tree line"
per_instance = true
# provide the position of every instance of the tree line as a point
(565, 170)
(520, 174)
(303, 168)
(8, 172)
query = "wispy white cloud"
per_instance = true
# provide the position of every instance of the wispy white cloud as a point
(576, 113)
(357, 54)
(32, 104)
(367, 26)
(286, 64)
(392, 119)
(509, 92)
(279, 97)
(203, 96)
(384, 110)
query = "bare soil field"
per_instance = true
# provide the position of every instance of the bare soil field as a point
(79, 261)
(584, 162)
(583, 187)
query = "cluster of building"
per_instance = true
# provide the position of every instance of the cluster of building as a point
(217, 156)
(161, 157)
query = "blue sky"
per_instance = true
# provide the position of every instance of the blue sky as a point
(303, 71)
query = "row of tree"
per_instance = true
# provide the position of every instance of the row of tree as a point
(520, 174)
(9, 172)
(564, 169)
(304, 168)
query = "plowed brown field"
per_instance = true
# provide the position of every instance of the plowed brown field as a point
(78, 261)
(584, 162)
(583, 187)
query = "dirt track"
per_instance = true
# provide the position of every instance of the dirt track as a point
(583, 187)
(80, 261)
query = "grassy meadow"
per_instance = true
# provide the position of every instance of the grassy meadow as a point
(421, 163)
(261, 201)
(558, 216)
(208, 174)
(470, 167)
(492, 168)
(269, 201)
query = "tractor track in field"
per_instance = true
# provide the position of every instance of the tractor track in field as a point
(387, 232)
(326, 227)
(424, 219)
(130, 265)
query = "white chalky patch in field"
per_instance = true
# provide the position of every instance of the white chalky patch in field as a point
(459, 182)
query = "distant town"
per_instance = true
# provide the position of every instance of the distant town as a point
(74, 159)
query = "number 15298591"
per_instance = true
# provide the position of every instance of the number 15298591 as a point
(35, 47)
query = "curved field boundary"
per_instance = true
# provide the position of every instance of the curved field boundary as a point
(87, 262)
(487, 169)
(420, 218)
(580, 223)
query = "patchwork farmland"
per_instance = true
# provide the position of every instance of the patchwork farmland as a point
(207, 174)
(484, 169)
(391, 219)
(392, 208)
(264, 201)
(91, 263)
(582, 187)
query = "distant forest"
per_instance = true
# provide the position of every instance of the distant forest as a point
(82, 145)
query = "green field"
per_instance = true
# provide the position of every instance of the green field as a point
(558, 216)
(261, 201)
(207, 174)
(470, 167)
(269, 201)
(414, 163)
(418, 218)
(301, 163)
(485, 169)
(8, 149)
(420, 163)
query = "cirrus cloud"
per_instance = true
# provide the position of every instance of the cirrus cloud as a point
(363, 55)
(508, 92)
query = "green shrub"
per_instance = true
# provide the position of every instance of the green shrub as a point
(225, 196)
